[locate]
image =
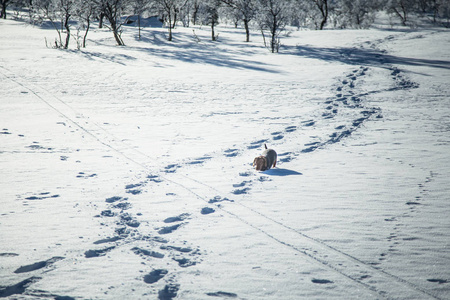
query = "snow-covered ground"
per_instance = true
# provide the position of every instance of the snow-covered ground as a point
(126, 171)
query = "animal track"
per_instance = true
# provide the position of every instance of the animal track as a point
(170, 291)
(439, 281)
(322, 281)
(231, 152)
(38, 265)
(172, 168)
(241, 191)
(178, 218)
(217, 199)
(199, 160)
(257, 144)
(97, 253)
(147, 253)
(155, 275)
(291, 128)
(222, 294)
(85, 176)
(115, 199)
(277, 136)
(42, 196)
(207, 210)
(107, 240)
(169, 229)
(184, 262)
(18, 288)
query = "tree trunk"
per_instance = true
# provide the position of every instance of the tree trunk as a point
(86, 33)
(115, 30)
(324, 11)
(139, 25)
(66, 25)
(100, 22)
(247, 31)
(170, 26)
(3, 12)
(118, 38)
(273, 32)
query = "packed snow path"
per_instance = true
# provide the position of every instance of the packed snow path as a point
(124, 178)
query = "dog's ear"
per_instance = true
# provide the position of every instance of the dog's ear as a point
(254, 161)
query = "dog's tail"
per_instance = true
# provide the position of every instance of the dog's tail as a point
(265, 146)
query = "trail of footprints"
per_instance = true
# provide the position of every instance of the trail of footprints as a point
(157, 246)
(185, 256)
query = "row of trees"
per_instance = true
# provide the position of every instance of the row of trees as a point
(269, 16)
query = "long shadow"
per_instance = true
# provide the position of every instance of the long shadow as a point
(205, 56)
(358, 56)
(281, 172)
(185, 48)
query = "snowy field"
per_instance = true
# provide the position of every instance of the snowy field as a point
(125, 172)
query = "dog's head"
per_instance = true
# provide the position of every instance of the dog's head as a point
(260, 162)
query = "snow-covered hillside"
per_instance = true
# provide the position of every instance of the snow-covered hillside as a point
(126, 171)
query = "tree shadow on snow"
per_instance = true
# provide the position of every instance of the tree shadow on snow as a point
(281, 172)
(358, 56)
(184, 48)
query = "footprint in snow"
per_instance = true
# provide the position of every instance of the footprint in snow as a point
(9, 254)
(155, 275)
(134, 188)
(231, 152)
(291, 128)
(107, 240)
(241, 191)
(257, 144)
(217, 199)
(243, 183)
(207, 210)
(85, 176)
(439, 281)
(321, 281)
(184, 262)
(199, 160)
(178, 218)
(97, 253)
(42, 196)
(38, 265)
(144, 253)
(169, 229)
(222, 294)
(114, 199)
(18, 288)
(169, 292)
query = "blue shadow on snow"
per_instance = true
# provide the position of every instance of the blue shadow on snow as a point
(281, 172)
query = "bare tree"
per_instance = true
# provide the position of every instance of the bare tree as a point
(355, 13)
(209, 12)
(401, 9)
(3, 9)
(112, 11)
(273, 16)
(59, 13)
(170, 9)
(84, 13)
(139, 7)
(322, 6)
(247, 11)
